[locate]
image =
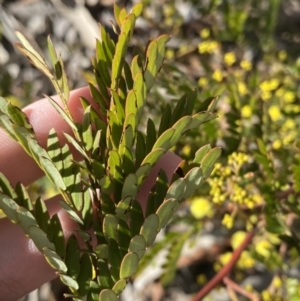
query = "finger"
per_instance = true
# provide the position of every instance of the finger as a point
(23, 268)
(15, 164)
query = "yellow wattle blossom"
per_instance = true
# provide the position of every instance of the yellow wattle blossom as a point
(203, 81)
(186, 150)
(266, 95)
(201, 207)
(208, 46)
(246, 65)
(246, 111)
(280, 92)
(246, 261)
(242, 88)
(263, 248)
(274, 113)
(201, 279)
(296, 109)
(289, 97)
(204, 33)
(229, 58)
(269, 85)
(266, 295)
(217, 75)
(289, 124)
(277, 144)
(237, 238)
(227, 221)
(170, 54)
(277, 282)
(282, 55)
(225, 258)
(168, 10)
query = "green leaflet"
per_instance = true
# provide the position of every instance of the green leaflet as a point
(119, 286)
(85, 274)
(130, 186)
(201, 153)
(138, 245)
(129, 265)
(207, 163)
(155, 55)
(9, 207)
(6, 188)
(42, 216)
(104, 279)
(25, 219)
(23, 197)
(72, 257)
(149, 229)
(54, 260)
(110, 225)
(124, 236)
(166, 211)
(108, 295)
(70, 282)
(40, 238)
(57, 236)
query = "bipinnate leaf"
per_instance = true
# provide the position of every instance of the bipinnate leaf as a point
(121, 47)
(174, 252)
(27, 50)
(22, 132)
(129, 265)
(155, 55)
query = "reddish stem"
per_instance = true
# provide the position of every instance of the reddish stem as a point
(225, 270)
(240, 289)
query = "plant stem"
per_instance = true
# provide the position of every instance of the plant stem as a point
(225, 270)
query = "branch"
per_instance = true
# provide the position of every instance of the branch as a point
(226, 269)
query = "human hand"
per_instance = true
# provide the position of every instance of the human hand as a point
(22, 267)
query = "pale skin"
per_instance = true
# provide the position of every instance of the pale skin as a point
(22, 267)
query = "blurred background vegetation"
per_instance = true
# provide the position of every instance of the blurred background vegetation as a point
(245, 51)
